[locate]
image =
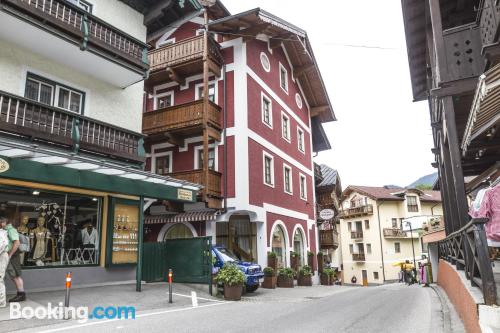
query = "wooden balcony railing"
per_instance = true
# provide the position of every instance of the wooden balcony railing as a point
(394, 233)
(196, 176)
(88, 29)
(24, 117)
(328, 239)
(358, 257)
(489, 17)
(356, 234)
(183, 52)
(180, 117)
(357, 211)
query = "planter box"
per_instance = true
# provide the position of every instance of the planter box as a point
(233, 293)
(269, 282)
(304, 281)
(326, 280)
(285, 282)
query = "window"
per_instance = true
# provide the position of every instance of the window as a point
(287, 179)
(211, 92)
(285, 127)
(283, 78)
(303, 186)
(267, 111)
(368, 248)
(163, 165)
(394, 223)
(367, 224)
(412, 203)
(54, 94)
(264, 60)
(349, 226)
(300, 140)
(165, 101)
(211, 158)
(351, 248)
(397, 247)
(375, 275)
(166, 42)
(268, 170)
(86, 6)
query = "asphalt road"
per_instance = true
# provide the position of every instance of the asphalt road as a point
(390, 308)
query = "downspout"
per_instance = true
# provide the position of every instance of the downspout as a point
(432, 208)
(380, 237)
(225, 136)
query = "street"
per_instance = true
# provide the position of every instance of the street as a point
(388, 308)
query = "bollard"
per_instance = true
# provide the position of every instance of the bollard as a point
(66, 299)
(170, 285)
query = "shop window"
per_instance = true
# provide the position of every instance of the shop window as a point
(397, 247)
(279, 245)
(64, 229)
(239, 236)
(412, 204)
(298, 245)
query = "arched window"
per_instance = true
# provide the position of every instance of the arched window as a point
(178, 230)
(279, 245)
(298, 245)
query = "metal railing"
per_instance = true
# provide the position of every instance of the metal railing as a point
(394, 233)
(467, 249)
(24, 117)
(356, 234)
(355, 211)
(358, 257)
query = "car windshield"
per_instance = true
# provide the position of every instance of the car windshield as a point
(226, 254)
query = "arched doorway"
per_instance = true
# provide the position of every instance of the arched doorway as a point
(175, 231)
(298, 245)
(278, 245)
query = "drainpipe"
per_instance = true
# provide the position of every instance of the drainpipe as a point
(225, 136)
(380, 237)
(432, 209)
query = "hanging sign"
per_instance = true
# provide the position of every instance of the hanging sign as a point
(184, 195)
(4, 165)
(326, 214)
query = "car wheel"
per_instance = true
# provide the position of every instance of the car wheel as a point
(251, 289)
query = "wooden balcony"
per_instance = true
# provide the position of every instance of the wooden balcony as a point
(318, 176)
(181, 121)
(328, 239)
(213, 189)
(82, 29)
(358, 257)
(356, 234)
(394, 233)
(39, 122)
(489, 17)
(175, 62)
(357, 211)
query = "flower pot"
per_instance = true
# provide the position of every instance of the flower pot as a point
(326, 280)
(285, 282)
(269, 282)
(304, 280)
(233, 293)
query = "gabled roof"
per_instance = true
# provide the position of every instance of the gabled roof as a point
(384, 193)
(330, 176)
(297, 45)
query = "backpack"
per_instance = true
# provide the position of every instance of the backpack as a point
(4, 241)
(24, 243)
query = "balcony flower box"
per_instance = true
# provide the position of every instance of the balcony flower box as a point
(285, 278)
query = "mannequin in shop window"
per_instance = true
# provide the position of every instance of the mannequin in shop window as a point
(90, 237)
(23, 229)
(40, 236)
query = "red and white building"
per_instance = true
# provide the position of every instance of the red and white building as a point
(262, 126)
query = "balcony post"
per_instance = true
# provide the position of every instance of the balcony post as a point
(85, 32)
(75, 135)
(205, 106)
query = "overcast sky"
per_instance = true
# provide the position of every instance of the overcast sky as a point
(381, 136)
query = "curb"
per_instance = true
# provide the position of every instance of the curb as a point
(445, 308)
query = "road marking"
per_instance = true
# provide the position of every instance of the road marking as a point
(194, 300)
(72, 327)
(202, 298)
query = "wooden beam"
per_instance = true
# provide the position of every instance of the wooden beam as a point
(250, 33)
(453, 88)
(274, 43)
(299, 71)
(173, 75)
(174, 139)
(319, 109)
(157, 11)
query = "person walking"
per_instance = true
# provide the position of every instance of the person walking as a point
(4, 262)
(14, 267)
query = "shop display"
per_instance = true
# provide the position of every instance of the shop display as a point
(125, 234)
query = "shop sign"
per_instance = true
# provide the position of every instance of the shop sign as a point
(184, 194)
(4, 165)
(326, 214)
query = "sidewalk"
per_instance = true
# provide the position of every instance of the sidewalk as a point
(153, 296)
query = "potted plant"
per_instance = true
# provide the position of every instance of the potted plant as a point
(271, 260)
(294, 260)
(233, 280)
(305, 276)
(327, 277)
(310, 260)
(285, 278)
(270, 278)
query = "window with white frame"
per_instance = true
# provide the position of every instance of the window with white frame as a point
(51, 93)
(285, 126)
(287, 179)
(199, 158)
(303, 186)
(267, 111)
(268, 170)
(300, 140)
(85, 5)
(283, 78)
(163, 164)
(165, 100)
(211, 92)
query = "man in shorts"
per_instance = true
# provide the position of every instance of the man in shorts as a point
(14, 267)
